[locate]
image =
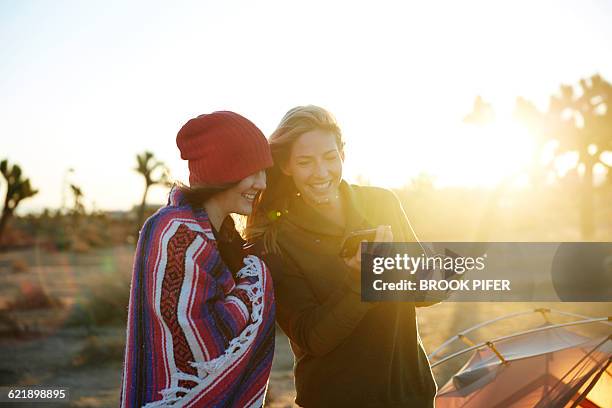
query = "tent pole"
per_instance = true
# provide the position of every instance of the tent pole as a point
(539, 329)
(497, 353)
(466, 339)
(491, 321)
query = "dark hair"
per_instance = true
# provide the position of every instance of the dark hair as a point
(196, 196)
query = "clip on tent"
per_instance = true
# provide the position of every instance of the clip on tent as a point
(548, 366)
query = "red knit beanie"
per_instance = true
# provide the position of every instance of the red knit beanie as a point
(222, 147)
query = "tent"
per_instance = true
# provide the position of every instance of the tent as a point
(549, 366)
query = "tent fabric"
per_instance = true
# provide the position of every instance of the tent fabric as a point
(550, 368)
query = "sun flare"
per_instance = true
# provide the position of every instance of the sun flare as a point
(461, 155)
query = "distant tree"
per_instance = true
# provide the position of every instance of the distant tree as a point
(17, 190)
(77, 193)
(582, 123)
(67, 173)
(482, 113)
(148, 166)
(526, 113)
(421, 183)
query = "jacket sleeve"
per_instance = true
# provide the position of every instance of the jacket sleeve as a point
(315, 327)
(404, 232)
(407, 234)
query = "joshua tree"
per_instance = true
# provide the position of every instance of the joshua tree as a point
(582, 123)
(535, 121)
(147, 165)
(18, 189)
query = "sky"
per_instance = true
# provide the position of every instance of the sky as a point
(88, 85)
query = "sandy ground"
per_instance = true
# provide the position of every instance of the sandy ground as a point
(54, 356)
(51, 354)
(50, 361)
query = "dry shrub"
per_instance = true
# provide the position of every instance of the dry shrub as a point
(13, 237)
(9, 326)
(56, 230)
(103, 302)
(94, 235)
(97, 351)
(32, 296)
(79, 245)
(20, 265)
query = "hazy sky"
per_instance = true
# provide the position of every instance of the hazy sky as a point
(88, 85)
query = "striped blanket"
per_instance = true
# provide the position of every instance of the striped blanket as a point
(196, 335)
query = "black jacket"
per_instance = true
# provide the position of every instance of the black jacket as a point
(347, 353)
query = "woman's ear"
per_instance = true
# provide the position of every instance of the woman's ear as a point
(342, 154)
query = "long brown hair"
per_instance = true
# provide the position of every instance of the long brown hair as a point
(273, 202)
(197, 195)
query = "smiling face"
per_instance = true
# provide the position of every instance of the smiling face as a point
(239, 199)
(315, 165)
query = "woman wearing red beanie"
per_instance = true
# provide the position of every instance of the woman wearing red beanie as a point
(347, 353)
(200, 330)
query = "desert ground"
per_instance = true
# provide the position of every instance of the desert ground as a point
(61, 325)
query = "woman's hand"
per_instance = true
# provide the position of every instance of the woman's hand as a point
(383, 234)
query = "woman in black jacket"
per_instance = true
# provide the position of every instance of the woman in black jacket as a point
(347, 352)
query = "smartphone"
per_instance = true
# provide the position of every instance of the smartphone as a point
(353, 240)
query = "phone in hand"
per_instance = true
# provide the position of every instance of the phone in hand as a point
(353, 240)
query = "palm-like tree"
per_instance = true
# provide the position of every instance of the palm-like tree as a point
(18, 189)
(77, 193)
(147, 166)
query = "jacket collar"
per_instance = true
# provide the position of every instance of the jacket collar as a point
(306, 217)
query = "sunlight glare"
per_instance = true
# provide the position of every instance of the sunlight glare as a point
(486, 155)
